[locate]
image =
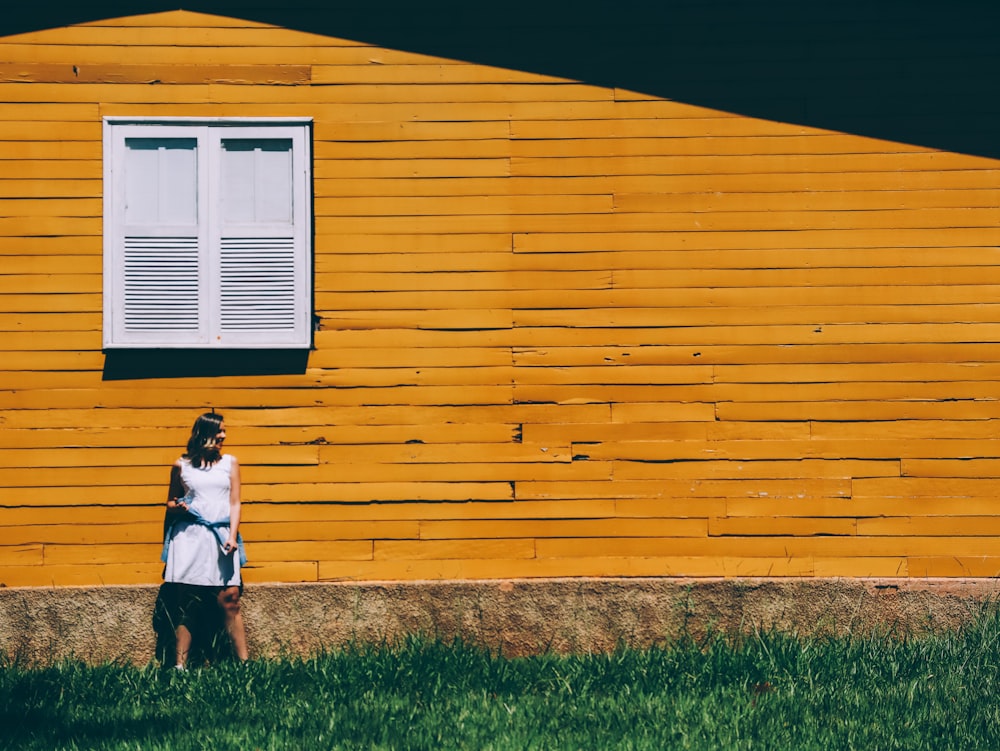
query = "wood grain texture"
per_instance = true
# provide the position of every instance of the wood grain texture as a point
(562, 329)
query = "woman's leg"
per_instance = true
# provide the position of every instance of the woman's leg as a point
(229, 601)
(188, 607)
(183, 645)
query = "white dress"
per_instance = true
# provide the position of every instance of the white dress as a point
(194, 555)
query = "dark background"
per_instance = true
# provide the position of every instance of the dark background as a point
(918, 72)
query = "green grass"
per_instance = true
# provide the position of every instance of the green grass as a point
(767, 691)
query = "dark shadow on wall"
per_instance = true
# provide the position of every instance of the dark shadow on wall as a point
(122, 365)
(918, 72)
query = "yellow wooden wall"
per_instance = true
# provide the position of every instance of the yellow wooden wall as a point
(566, 330)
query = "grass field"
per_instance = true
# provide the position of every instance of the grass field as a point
(761, 691)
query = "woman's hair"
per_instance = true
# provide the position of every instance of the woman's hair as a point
(201, 446)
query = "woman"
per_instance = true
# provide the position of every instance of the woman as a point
(202, 547)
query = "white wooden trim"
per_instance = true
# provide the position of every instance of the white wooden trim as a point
(209, 134)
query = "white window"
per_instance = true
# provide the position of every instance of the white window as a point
(207, 234)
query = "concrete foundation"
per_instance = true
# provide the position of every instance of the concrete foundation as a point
(516, 617)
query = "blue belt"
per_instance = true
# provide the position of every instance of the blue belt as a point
(196, 518)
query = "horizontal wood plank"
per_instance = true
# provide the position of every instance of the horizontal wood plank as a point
(561, 328)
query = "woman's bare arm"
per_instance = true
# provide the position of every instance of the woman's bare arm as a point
(234, 505)
(176, 490)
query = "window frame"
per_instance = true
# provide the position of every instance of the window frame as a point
(209, 133)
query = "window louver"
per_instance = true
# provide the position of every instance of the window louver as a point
(161, 283)
(257, 284)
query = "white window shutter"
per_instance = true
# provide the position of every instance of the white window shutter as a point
(262, 237)
(257, 285)
(207, 235)
(160, 285)
(155, 238)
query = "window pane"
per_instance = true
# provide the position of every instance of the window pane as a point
(161, 181)
(257, 180)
